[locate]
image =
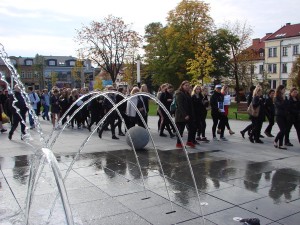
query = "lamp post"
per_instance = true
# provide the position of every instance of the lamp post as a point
(138, 71)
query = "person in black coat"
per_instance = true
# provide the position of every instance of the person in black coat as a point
(257, 122)
(21, 105)
(217, 112)
(96, 111)
(293, 115)
(110, 120)
(281, 114)
(270, 112)
(122, 109)
(249, 100)
(166, 99)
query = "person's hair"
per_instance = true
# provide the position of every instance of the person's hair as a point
(278, 92)
(30, 88)
(134, 90)
(294, 89)
(144, 86)
(182, 84)
(256, 90)
(271, 91)
(194, 89)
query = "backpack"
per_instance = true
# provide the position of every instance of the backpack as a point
(173, 106)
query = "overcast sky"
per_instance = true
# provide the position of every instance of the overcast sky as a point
(48, 27)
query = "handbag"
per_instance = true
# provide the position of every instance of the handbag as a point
(253, 111)
(5, 118)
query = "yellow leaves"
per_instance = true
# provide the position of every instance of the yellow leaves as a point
(202, 65)
(98, 83)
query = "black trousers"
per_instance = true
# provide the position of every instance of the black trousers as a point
(257, 123)
(191, 130)
(16, 120)
(281, 122)
(218, 119)
(290, 122)
(270, 125)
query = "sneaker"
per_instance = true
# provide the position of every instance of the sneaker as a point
(179, 145)
(289, 144)
(190, 144)
(268, 134)
(204, 139)
(121, 134)
(243, 134)
(215, 139)
(32, 127)
(231, 132)
(198, 139)
(223, 139)
(163, 135)
(259, 141)
(115, 137)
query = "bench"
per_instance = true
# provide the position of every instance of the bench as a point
(241, 109)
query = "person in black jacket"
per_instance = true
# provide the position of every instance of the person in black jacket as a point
(184, 114)
(200, 103)
(257, 122)
(122, 109)
(280, 113)
(107, 106)
(21, 105)
(217, 112)
(270, 112)
(293, 118)
(249, 100)
(166, 99)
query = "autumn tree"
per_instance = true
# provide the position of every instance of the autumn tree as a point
(238, 38)
(107, 43)
(295, 74)
(201, 67)
(169, 48)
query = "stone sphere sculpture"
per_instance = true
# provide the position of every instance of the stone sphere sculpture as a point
(139, 136)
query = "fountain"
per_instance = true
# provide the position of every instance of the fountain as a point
(44, 155)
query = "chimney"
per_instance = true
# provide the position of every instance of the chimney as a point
(287, 24)
(255, 41)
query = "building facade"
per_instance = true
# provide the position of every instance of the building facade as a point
(282, 49)
(47, 71)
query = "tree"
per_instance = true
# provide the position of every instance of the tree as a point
(201, 67)
(54, 78)
(169, 48)
(295, 74)
(107, 43)
(238, 38)
(220, 51)
(98, 83)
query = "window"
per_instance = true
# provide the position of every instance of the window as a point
(295, 49)
(284, 68)
(272, 52)
(22, 74)
(28, 62)
(273, 84)
(72, 63)
(261, 69)
(284, 51)
(284, 82)
(51, 63)
(272, 68)
(29, 74)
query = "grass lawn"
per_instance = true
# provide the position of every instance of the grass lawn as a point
(232, 108)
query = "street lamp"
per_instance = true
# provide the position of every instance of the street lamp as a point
(138, 71)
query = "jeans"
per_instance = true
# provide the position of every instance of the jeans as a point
(46, 111)
(31, 120)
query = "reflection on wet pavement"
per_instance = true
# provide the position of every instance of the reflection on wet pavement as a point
(112, 181)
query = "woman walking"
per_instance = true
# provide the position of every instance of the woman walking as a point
(257, 122)
(270, 112)
(280, 113)
(293, 117)
(184, 114)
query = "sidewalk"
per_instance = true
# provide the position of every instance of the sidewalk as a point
(234, 179)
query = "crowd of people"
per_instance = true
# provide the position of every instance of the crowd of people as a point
(188, 107)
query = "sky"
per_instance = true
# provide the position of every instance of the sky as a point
(48, 28)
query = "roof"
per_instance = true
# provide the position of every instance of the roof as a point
(287, 31)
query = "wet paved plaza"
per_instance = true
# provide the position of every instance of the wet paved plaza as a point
(106, 185)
